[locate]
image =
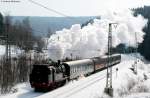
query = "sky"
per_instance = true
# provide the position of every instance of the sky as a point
(67, 7)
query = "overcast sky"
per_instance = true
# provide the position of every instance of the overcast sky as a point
(68, 7)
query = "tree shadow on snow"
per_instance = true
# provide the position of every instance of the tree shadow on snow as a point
(30, 94)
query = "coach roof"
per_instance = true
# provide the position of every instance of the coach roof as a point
(79, 62)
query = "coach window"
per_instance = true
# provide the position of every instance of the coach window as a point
(72, 70)
(75, 69)
(85, 67)
(81, 68)
(88, 67)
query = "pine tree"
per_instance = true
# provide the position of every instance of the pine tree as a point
(1, 24)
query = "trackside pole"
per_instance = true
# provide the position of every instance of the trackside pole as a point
(108, 89)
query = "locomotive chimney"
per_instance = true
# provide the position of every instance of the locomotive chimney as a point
(58, 62)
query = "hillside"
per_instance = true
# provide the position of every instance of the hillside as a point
(41, 25)
(144, 46)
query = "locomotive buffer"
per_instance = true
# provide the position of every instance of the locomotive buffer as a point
(108, 89)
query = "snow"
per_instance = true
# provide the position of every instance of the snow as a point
(93, 86)
(2, 50)
(23, 91)
(125, 84)
(15, 51)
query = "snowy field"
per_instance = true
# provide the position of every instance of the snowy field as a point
(22, 91)
(125, 84)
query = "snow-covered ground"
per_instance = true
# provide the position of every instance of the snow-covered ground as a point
(125, 83)
(22, 91)
(15, 51)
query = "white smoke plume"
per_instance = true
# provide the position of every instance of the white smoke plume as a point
(91, 40)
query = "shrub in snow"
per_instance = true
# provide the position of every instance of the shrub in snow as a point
(131, 83)
(126, 87)
(142, 87)
(126, 82)
(14, 90)
(141, 66)
(122, 91)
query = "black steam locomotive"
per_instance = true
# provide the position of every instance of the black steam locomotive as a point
(51, 76)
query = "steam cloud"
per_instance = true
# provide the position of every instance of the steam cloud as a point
(91, 40)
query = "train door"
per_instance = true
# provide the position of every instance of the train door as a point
(50, 75)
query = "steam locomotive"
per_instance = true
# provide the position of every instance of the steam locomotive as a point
(50, 76)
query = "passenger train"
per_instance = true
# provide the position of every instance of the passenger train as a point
(51, 76)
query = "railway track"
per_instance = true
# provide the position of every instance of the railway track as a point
(75, 88)
(80, 86)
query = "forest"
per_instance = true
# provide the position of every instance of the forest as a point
(145, 45)
(16, 69)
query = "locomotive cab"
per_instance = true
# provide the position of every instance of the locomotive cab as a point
(40, 76)
(46, 77)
